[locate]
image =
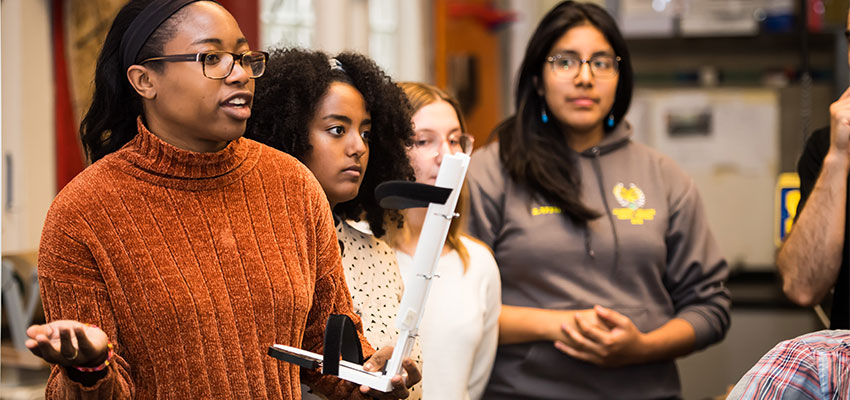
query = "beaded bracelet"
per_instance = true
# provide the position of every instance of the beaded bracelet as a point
(105, 363)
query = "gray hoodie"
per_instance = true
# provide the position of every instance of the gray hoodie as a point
(651, 257)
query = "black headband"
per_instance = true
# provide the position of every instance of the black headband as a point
(145, 24)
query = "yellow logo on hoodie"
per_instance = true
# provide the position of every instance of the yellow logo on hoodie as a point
(632, 199)
(545, 210)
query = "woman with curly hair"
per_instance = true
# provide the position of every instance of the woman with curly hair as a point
(339, 116)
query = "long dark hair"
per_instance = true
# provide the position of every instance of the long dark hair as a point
(287, 97)
(535, 153)
(110, 121)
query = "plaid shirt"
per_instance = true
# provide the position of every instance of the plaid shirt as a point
(812, 366)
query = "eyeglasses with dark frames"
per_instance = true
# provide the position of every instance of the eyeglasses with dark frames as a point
(219, 64)
(569, 65)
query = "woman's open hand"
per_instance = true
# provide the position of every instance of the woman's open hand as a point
(68, 343)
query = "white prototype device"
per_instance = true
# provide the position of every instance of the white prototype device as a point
(441, 200)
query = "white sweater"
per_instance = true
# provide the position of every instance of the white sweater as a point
(459, 330)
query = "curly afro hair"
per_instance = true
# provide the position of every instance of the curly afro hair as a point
(287, 97)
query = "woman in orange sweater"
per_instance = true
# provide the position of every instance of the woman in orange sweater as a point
(170, 265)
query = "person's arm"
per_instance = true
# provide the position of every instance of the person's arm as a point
(528, 324)
(810, 258)
(696, 271)
(73, 292)
(672, 340)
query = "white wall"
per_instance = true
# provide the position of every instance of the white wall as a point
(344, 25)
(416, 42)
(332, 24)
(340, 25)
(734, 165)
(27, 126)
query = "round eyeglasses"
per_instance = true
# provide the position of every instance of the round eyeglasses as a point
(432, 143)
(569, 65)
(219, 64)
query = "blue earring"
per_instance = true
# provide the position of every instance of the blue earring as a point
(544, 117)
(610, 121)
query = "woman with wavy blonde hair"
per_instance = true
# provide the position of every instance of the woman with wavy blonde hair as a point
(459, 329)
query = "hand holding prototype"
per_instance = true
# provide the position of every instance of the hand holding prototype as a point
(400, 382)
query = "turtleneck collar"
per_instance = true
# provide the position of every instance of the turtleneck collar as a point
(151, 159)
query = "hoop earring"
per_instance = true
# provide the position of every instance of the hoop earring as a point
(610, 121)
(543, 116)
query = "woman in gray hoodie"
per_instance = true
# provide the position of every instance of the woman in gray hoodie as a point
(609, 269)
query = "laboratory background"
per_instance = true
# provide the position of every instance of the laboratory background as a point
(729, 89)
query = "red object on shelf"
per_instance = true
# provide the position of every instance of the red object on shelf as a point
(68, 152)
(485, 13)
(814, 15)
(247, 14)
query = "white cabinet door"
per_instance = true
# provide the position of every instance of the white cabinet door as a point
(27, 122)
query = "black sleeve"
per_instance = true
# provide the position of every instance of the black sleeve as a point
(810, 163)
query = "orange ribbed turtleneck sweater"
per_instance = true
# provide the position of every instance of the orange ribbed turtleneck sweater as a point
(193, 264)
